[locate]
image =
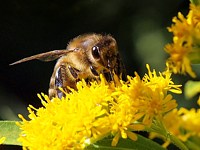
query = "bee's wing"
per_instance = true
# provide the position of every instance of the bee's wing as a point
(48, 56)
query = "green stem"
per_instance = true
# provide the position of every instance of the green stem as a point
(177, 142)
(159, 128)
(192, 145)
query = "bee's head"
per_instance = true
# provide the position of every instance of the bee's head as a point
(101, 50)
(105, 51)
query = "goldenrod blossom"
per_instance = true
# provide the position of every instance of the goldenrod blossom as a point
(185, 47)
(163, 81)
(123, 117)
(150, 94)
(96, 110)
(67, 123)
(190, 120)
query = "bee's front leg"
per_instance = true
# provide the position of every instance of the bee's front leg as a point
(66, 76)
(60, 79)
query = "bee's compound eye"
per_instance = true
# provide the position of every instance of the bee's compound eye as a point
(96, 52)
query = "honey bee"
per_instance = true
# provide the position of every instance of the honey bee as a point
(86, 57)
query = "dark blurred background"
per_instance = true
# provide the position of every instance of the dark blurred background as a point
(32, 27)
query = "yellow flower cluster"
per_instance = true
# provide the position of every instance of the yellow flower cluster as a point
(185, 47)
(97, 110)
(191, 121)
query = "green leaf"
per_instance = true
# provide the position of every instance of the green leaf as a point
(10, 131)
(196, 68)
(192, 88)
(126, 144)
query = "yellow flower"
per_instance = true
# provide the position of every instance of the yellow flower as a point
(163, 81)
(185, 47)
(156, 105)
(194, 16)
(96, 110)
(70, 122)
(156, 101)
(190, 120)
(148, 96)
(123, 119)
(179, 61)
